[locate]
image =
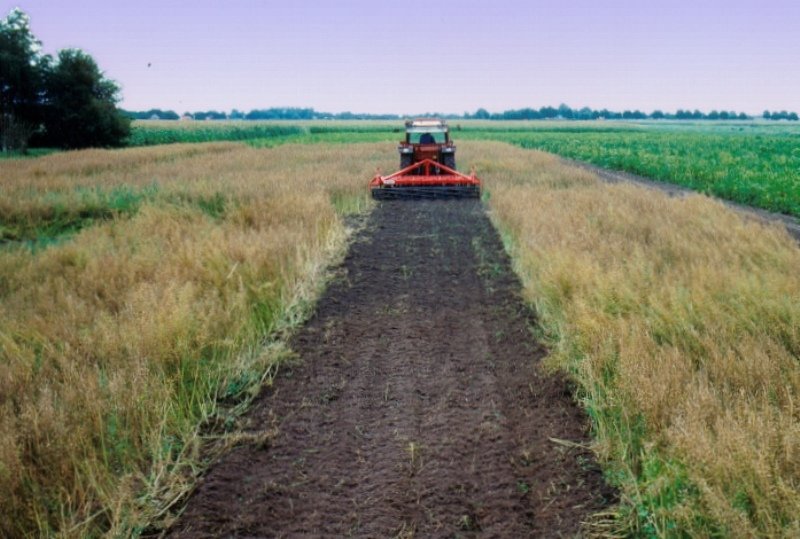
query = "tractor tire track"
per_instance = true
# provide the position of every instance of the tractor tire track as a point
(417, 408)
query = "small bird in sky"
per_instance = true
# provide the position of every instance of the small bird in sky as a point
(149, 64)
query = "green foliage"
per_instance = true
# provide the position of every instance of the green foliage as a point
(27, 153)
(149, 134)
(67, 213)
(750, 168)
(81, 110)
(71, 97)
(21, 69)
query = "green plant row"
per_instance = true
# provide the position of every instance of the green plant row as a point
(755, 170)
(160, 134)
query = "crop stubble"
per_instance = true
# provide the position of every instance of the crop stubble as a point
(417, 406)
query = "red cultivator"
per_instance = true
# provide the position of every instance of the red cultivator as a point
(426, 179)
(427, 167)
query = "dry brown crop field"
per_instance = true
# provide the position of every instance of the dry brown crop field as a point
(117, 340)
(681, 322)
(139, 289)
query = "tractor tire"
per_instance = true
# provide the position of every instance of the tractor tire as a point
(405, 160)
(449, 160)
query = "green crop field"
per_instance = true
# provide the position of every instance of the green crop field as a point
(750, 163)
(755, 169)
(266, 133)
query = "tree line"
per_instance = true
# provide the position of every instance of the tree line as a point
(782, 115)
(563, 112)
(63, 101)
(273, 113)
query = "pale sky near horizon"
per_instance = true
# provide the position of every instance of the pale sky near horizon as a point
(411, 56)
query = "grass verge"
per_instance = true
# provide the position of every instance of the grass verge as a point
(678, 318)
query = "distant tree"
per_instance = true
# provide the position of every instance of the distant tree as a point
(792, 116)
(21, 81)
(529, 114)
(657, 115)
(81, 104)
(766, 115)
(152, 114)
(743, 116)
(713, 115)
(633, 115)
(548, 112)
(285, 113)
(584, 113)
(209, 115)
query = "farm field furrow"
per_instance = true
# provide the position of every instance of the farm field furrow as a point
(416, 404)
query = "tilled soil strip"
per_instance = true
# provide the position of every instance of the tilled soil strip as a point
(417, 407)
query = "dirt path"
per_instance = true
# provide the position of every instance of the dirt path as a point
(417, 408)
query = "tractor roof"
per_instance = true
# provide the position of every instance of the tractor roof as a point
(426, 125)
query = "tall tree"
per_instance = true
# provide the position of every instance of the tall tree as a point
(21, 84)
(82, 104)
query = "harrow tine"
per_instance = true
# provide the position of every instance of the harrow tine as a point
(426, 192)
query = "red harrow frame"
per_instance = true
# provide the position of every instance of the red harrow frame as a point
(425, 179)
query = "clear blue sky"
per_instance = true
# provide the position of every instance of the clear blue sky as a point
(406, 56)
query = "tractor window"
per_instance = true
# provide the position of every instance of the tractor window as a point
(438, 137)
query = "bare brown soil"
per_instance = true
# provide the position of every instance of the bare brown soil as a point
(417, 407)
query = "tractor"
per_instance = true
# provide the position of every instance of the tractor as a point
(427, 166)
